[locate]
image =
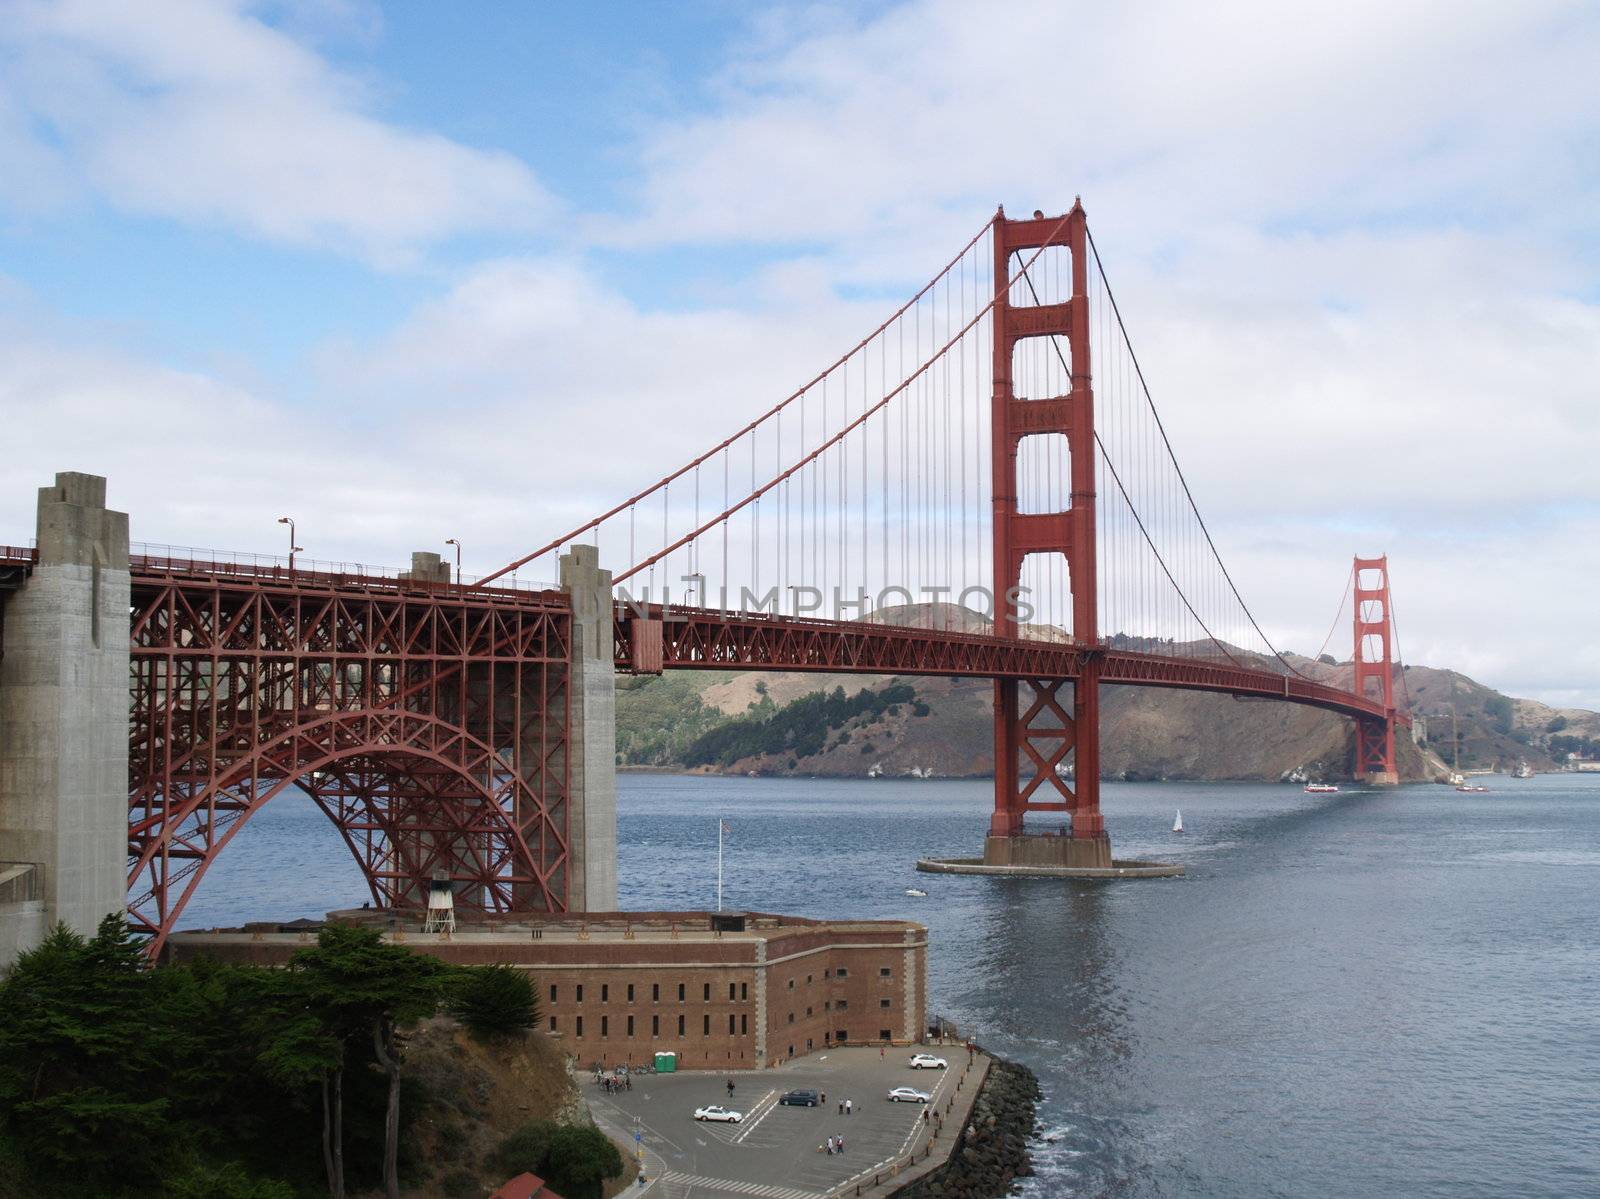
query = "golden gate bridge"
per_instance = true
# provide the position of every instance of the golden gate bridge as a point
(980, 487)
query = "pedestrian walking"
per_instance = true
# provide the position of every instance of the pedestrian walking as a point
(628, 1082)
(824, 1099)
(849, 1107)
(841, 1144)
(841, 1107)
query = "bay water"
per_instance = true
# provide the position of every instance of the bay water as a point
(1371, 993)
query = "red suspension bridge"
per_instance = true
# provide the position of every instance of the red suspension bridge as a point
(989, 459)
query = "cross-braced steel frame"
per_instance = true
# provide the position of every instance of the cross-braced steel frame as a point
(429, 723)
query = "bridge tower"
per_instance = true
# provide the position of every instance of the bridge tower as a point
(1032, 720)
(1374, 664)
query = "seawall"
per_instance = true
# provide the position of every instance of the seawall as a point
(991, 1152)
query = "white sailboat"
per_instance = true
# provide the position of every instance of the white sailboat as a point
(1177, 824)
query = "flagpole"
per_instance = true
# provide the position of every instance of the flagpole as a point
(719, 863)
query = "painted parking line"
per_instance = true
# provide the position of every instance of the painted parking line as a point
(674, 1181)
(757, 1114)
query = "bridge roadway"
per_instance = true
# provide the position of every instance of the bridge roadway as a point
(648, 640)
(688, 638)
(711, 639)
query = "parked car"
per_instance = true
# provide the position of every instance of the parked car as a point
(926, 1061)
(799, 1098)
(908, 1095)
(725, 1115)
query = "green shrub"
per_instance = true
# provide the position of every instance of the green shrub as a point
(227, 1181)
(495, 1001)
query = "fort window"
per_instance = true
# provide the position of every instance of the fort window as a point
(883, 1003)
(552, 992)
(655, 1026)
(605, 992)
(730, 1024)
(730, 991)
(841, 1035)
(744, 1022)
(791, 1017)
(791, 984)
(885, 972)
(580, 1025)
(680, 992)
(630, 1026)
(744, 990)
(680, 1026)
(605, 1026)
(841, 972)
(706, 1031)
(655, 992)
(630, 992)
(884, 1034)
(580, 992)
(707, 995)
(843, 1003)
(552, 1024)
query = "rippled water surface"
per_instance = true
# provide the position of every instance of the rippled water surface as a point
(1360, 994)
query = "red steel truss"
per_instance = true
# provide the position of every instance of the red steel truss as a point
(711, 639)
(428, 722)
(1065, 727)
(1374, 669)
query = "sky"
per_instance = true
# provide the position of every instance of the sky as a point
(417, 271)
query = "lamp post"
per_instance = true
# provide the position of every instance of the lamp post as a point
(457, 544)
(293, 548)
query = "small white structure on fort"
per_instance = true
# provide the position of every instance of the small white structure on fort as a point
(441, 916)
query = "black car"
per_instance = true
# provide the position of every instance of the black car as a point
(799, 1098)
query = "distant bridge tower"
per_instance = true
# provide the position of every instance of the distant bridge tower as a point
(1035, 726)
(1374, 663)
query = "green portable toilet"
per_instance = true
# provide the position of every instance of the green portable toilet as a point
(666, 1063)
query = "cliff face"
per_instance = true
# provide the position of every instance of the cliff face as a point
(743, 722)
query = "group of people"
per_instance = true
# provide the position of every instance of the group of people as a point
(832, 1145)
(617, 1080)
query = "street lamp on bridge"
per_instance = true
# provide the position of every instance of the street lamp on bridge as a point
(293, 548)
(457, 544)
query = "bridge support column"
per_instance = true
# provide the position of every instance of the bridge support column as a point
(1034, 728)
(592, 735)
(64, 702)
(1373, 666)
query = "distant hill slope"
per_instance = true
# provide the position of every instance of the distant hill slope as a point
(853, 725)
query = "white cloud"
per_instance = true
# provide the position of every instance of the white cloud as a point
(200, 112)
(1352, 243)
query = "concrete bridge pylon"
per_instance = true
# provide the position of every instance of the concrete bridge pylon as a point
(64, 705)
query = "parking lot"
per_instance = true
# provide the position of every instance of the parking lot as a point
(776, 1151)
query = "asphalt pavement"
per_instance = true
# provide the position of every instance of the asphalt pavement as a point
(776, 1151)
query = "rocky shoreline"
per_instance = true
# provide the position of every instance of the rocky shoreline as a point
(991, 1153)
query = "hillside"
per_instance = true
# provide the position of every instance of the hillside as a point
(850, 726)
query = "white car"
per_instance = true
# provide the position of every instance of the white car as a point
(723, 1114)
(926, 1061)
(908, 1095)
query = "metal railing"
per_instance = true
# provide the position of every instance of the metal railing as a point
(191, 560)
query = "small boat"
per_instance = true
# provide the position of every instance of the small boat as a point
(914, 891)
(1472, 788)
(1321, 789)
(1177, 824)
